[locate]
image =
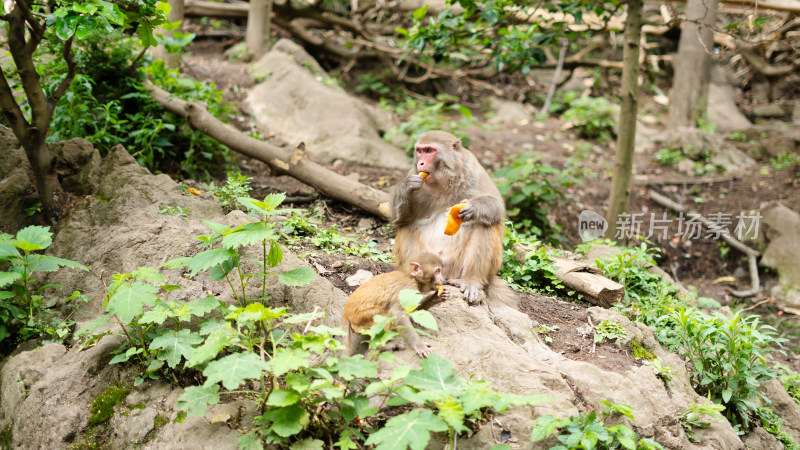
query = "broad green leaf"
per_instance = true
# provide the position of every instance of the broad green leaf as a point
(207, 259)
(214, 343)
(250, 441)
(355, 405)
(249, 234)
(437, 374)
(149, 274)
(350, 367)
(5, 295)
(218, 227)
(158, 314)
(86, 24)
(176, 344)
(298, 276)
(286, 421)
(234, 369)
(420, 13)
(409, 299)
(202, 306)
(8, 251)
(410, 430)
(425, 319)
(47, 263)
(452, 412)
(288, 359)
(726, 395)
(213, 325)
(283, 397)
(7, 278)
(129, 299)
(272, 201)
(195, 399)
(34, 237)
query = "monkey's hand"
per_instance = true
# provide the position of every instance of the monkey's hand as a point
(471, 289)
(468, 212)
(414, 182)
(423, 349)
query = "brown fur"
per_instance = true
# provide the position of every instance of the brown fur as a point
(474, 255)
(380, 295)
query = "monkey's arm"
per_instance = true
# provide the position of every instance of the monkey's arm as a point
(485, 209)
(403, 210)
(433, 298)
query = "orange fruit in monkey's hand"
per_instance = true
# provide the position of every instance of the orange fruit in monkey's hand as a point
(424, 175)
(453, 221)
(439, 290)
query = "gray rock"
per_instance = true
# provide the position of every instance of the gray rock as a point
(784, 406)
(77, 162)
(769, 110)
(697, 144)
(782, 227)
(722, 109)
(360, 277)
(299, 106)
(505, 111)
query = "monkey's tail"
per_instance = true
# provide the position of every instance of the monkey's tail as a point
(499, 291)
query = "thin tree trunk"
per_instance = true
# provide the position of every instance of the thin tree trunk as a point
(176, 14)
(259, 18)
(623, 160)
(689, 96)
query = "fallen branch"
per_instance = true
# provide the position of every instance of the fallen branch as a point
(296, 165)
(752, 254)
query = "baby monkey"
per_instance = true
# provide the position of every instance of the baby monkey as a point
(380, 295)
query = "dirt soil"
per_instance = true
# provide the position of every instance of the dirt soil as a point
(696, 263)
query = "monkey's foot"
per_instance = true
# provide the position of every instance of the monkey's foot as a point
(423, 350)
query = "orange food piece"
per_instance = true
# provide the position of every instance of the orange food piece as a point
(194, 191)
(439, 290)
(424, 175)
(453, 222)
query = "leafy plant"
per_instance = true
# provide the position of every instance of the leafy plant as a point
(420, 116)
(669, 156)
(172, 210)
(373, 83)
(534, 272)
(236, 185)
(693, 417)
(790, 380)
(24, 313)
(546, 330)
(299, 228)
(592, 117)
(531, 190)
(609, 329)
(783, 161)
(774, 426)
(587, 431)
(728, 359)
(738, 136)
(665, 373)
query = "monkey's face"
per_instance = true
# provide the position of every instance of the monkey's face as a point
(438, 278)
(425, 156)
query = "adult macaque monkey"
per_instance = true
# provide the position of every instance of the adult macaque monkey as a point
(380, 295)
(474, 254)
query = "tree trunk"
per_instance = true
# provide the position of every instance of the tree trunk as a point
(176, 14)
(623, 160)
(44, 169)
(259, 18)
(689, 95)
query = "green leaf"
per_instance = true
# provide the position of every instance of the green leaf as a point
(7, 278)
(218, 227)
(250, 441)
(286, 421)
(425, 319)
(350, 367)
(158, 314)
(420, 13)
(251, 233)
(207, 259)
(452, 412)
(275, 255)
(298, 276)
(726, 395)
(195, 399)
(212, 326)
(47, 263)
(8, 251)
(129, 299)
(34, 237)
(86, 24)
(409, 430)
(203, 306)
(287, 360)
(233, 369)
(214, 343)
(149, 274)
(272, 201)
(437, 374)
(283, 397)
(176, 344)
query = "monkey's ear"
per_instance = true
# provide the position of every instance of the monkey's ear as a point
(413, 269)
(457, 144)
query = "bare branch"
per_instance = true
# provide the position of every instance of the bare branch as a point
(67, 81)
